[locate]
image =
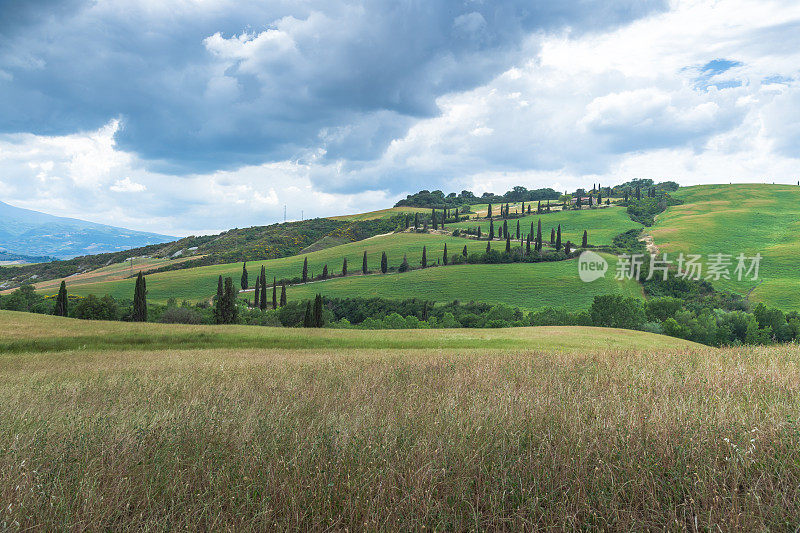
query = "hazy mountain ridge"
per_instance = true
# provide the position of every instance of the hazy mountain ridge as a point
(31, 233)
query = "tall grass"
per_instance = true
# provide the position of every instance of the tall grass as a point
(334, 439)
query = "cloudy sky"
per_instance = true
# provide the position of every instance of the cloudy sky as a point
(192, 116)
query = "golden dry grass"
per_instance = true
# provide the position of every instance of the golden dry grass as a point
(514, 434)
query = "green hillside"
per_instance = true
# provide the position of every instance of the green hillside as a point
(200, 283)
(734, 219)
(32, 332)
(602, 224)
(522, 285)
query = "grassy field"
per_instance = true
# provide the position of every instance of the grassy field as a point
(602, 224)
(650, 435)
(20, 332)
(522, 285)
(200, 283)
(733, 219)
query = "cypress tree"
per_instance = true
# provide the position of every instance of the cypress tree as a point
(523, 207)
(539, 207)
(599, 198)
(283, 294)
(568, 248)
(548, 206)
(258, 292)
(274, 293)
(552, 236)
(479, 232)
(404, 265)
(344, 267)
(626, 196)
(585, 242)
(384, 263)
(528, 245)
(517, 229)
(489, 212)
(308, 321)
(304, 275)
(416, 221)
(433, 218)
(364, 263)
(229, 310)
(464, 251)
(558, 238)
(218, 302)
(491, 230)
(318, 311)
(488, 246)
(140, 300)
(539, 236)
(62, 302)
(424, 257)
(508, 243)
(325, 271)
(444, 255)
(245, 281)
(638, 193)
(263, 303)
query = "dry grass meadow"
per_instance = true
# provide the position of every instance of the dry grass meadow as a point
(434, 438)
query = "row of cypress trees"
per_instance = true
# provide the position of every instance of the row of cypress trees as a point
(261, 300)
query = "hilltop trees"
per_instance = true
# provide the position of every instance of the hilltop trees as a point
(245, 281)
(61, 301)
(140, 300)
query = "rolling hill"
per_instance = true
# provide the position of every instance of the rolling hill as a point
(199, 283)
(734, 219)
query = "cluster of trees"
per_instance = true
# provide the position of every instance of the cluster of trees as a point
(437, 199)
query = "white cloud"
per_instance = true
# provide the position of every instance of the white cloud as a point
(126, 185)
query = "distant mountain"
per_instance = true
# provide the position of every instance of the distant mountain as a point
(7, 257)
(30, 233)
